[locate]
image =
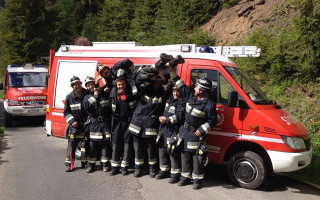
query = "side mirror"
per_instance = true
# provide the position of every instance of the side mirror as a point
(1, 86)
(232, 98)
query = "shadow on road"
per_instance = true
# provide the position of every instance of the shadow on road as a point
(216, 175)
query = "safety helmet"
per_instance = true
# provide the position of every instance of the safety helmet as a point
(74, 79)
(88, 79)
(205, 49)
(204, 84)
(100, 67)
(175, 88)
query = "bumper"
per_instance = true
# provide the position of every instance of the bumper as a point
(25, 110)
(48, 127)
(288, 162)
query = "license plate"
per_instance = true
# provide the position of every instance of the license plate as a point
(32, 110)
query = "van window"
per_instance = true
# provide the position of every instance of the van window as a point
(28, 79)
(212, 75)
(225, 88)
(220, 86)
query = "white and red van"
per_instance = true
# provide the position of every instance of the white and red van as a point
(25, 91)
(254, 136)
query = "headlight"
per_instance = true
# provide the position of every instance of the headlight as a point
(294, 142)
(13, 102)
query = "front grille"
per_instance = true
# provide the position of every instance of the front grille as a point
(307, 142)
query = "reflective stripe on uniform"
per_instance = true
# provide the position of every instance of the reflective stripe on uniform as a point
(69, 118)
(139, 161)
(104, 103)
(132, 104)
(144, 84)
(166, 105)
(115, 163)
(164, 167)
(96, 135)
(120, 72)
(145, 98)
(166, 87)
(108, 134)
(152, 162)
(135, 129)
(92, 101)
(104, 159)
(172, 110)
(73, 136)
(156, 100)
(195, 176)
(75, 106)
(151, 131)
(114, 106)
(206, 127)
(173, 119)
(168, 140)
(186, 174)
(175, 171)
(198, 113)
(124, 163)
(134, 90)
(193, 145)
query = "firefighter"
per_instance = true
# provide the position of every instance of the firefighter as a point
(200, 118)
(89, 82)
(123, 105)
(168, 134)
(99, 133)
(145, 123)
(75, 115)
(103, 86)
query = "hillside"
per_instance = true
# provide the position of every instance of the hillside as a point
(240, 20)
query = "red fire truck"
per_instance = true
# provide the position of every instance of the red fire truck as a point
(25, 91)
(254, 136)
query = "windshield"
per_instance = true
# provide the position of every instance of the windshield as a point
(28, 79)
(251, 89)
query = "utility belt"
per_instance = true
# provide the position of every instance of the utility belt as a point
(97, 119)
(189, 127)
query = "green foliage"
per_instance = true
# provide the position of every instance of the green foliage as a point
(290, 53)
(1, 132)
(228, 3)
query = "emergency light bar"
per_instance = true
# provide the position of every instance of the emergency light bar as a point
(39, 66)
(14, 65)
(235, 51)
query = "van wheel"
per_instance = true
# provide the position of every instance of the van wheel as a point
(7, 119)
(247, 170)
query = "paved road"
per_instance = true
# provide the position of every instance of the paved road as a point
(31, 167)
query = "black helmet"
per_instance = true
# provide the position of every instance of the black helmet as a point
(74, 79)
(88, 79)
(204, 84)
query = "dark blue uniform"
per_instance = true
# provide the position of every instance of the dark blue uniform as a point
(122, 111)
(74, 111)
(99, 131)
(199, 115)
(167, 133)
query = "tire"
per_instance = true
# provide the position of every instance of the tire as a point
(7, 119)
(247, 169)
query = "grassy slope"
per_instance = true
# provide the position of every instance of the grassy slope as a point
(303, 102)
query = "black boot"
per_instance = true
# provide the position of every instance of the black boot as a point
(106, 166)
(124, 171)
(197, 184)
(83, 165)
(164, 58)
(184, 181)
(175, 178)
(114, 171)
(67, 167)
(163, 174)
(90, 167)
(177, 60)
(137, 173)
(152, 173)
